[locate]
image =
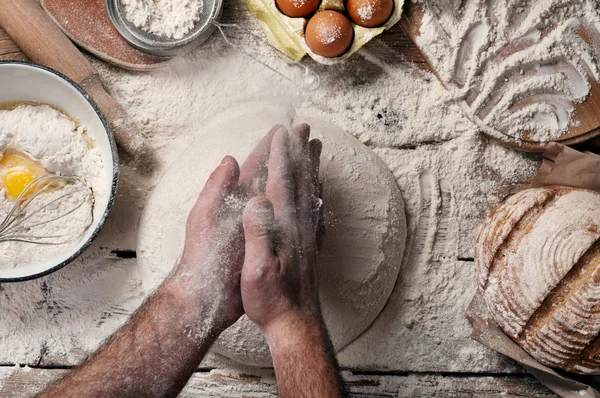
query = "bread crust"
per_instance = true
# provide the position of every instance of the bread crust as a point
(537, 259)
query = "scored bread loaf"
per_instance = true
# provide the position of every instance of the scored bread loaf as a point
(538, 264)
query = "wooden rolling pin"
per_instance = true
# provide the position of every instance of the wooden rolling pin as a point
(44, 43)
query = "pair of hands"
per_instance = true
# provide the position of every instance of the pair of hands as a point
(253, 235)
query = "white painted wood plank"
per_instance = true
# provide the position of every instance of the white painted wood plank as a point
(26, 382)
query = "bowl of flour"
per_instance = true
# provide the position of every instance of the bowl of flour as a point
(49, 126)
(165, 27)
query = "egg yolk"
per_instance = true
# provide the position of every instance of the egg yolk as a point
(17, 171)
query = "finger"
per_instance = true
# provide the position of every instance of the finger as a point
(315, 149)
(321, 223)
(303, 132)
(307, 195)
(259, 225)
(280, 181)
(222, 182)
(253, 173)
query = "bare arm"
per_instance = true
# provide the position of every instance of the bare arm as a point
(158, 350)
(304, 358)
(280, 278)
(154, 355)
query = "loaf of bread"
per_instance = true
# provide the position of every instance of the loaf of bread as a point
(538, 264)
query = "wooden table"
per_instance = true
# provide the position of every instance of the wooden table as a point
(499, 379)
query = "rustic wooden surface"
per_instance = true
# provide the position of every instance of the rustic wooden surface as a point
(8, 49)
(25, 382)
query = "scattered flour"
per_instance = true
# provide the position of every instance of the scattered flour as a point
(329, 33)
(172, 19)
(448, 173)
(366, 12)
(299, 3)
(518, 67)
(5, 373)
(53, 139)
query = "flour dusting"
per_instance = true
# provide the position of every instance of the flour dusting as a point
(518, 67)
(172, 19)
(448, 173)
(366, 12)
(420, 134)
(62, 148)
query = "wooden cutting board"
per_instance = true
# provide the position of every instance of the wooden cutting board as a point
(586, 113)
(88, 25)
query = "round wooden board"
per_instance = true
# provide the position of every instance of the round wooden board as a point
(88, 25)
(587, 112)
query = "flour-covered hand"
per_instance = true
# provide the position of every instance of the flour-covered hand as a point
(211, 263)
(280, 278)
(280, 289)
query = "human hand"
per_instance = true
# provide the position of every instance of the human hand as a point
(211, 264)
(282, 236)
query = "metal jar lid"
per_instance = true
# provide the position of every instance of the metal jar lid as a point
(163, 46)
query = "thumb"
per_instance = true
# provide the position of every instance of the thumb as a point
(259, 222)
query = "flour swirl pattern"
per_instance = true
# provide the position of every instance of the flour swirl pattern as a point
(517, 67)
(538, 260)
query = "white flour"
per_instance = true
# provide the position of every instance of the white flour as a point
(172, 19)
(366, 12)
(53, 139)
(449, 175)
(329, 33)
(517, 66)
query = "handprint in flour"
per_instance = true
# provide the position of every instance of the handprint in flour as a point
(517, 67)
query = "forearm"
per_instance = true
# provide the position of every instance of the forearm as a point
(304, 359)
(153, 355)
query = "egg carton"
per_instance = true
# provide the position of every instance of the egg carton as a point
(287, 34)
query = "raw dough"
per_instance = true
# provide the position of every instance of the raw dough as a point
(366, 225)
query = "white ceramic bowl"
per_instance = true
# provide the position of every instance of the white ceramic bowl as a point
(24, 81)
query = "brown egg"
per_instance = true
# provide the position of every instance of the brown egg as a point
(298, 8)
(329, 34)
(370, 13)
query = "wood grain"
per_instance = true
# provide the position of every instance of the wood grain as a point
(8, 49)
(89, 26)
(26, 382)
(36, 34)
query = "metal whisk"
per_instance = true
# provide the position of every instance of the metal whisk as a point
(19, 225)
